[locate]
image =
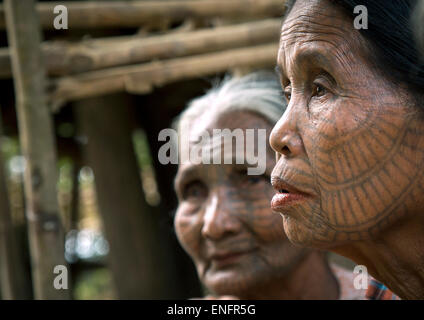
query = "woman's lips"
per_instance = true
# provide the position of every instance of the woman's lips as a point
(222, 260)
(281, 201)
(286, 195)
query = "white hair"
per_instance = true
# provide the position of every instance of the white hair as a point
(258, 92)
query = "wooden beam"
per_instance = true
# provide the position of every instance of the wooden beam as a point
(118, 14)
(38, 147)
(68, 58)
(144, 77)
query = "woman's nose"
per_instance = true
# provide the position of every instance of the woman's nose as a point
(219, 221)
(284, 138)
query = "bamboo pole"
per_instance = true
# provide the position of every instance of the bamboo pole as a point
(66, 58)
(118, 14)
(144, 77)
(38, 147)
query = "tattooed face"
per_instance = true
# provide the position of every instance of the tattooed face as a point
(350, 145)
(224, 221)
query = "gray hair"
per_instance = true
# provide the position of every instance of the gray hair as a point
(258, 92)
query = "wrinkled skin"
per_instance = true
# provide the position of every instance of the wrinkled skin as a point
(354, 143)
(223, 210)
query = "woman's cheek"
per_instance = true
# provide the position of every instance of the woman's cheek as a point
(268, 226)
(188, 229)
(337, 118)
(271, 228)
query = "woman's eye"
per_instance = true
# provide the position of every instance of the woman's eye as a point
(254, 179)
(249, 179)
(195, 190)
(287, 94)
(319, 90)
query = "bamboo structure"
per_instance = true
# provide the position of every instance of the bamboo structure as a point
(137, 65)
(68, 58)
(143, 78)
(94, 74)
(38, 147)
(118, 14)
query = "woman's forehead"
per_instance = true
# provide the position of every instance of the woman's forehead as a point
(208, 133)
(233, 122)
(311, 19)
(320, 31)
(234, 119)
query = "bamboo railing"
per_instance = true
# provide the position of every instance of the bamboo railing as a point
(119, 14)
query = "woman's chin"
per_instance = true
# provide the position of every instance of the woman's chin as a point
(227, 282)
(300, 235)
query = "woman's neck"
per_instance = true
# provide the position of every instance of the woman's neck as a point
(395, 258)
(311, 279)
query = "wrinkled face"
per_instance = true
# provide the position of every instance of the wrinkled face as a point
(350, 144)
(224, 220)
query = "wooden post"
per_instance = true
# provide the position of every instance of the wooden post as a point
(38, 147)
(11, 265)
(137, 256)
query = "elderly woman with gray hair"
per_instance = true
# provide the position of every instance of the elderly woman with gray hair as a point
(224, 221)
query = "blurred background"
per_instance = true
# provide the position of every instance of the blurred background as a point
(120, 73)
(82, 102)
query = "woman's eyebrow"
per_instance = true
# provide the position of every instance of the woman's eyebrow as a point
(318, 56)
(185, 174)
(308, 57)
(312, 56)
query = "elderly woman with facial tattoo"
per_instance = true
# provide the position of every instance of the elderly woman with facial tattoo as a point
(350, 146)
(223, 220)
